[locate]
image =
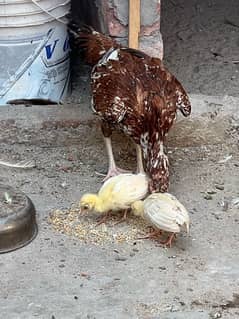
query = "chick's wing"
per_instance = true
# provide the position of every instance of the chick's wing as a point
(131, 188)
(163, 215)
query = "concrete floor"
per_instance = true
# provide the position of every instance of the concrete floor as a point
(201, 44)
(60, 277)
(57, 276)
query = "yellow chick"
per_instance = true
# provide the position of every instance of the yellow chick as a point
(117, 193)
(164, 212)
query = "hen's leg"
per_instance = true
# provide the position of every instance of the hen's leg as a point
(113, 170)
(140, 166)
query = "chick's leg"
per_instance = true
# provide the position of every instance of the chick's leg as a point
(140, 166)
(113, 170)
(152, 235)
(155, 235)
(104, 218)
(169, 240)
(123, 218)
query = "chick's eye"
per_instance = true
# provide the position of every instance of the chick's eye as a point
(85, 207)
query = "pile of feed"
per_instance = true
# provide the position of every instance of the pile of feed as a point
(85, 228)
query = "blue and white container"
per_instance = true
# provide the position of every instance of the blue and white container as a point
(34, 50)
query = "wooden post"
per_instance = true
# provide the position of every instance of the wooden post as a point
(134, 23)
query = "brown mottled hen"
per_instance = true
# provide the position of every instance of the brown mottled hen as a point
(136, 94)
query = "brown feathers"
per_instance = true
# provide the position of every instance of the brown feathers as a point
(93, 43)
(136, 94)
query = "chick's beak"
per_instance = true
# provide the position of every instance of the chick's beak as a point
(81, 211)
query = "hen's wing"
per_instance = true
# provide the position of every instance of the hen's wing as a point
(114, 86)
(118, 93)
(136, 91)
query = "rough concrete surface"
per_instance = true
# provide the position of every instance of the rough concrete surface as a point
(149, 12)
(201, 44)
(60, 277)
(195, 278)
(116, 17)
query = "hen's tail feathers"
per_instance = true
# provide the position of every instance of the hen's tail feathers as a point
(183, 103)
(92, 43)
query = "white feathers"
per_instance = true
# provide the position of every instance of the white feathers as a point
(165, 212)
(118, 109)
(154, 163)
(111, 54)
(182, 103)
(96, 75)
(93, 105)
(120, 191)
(22, 164)
(144, 139)
(8, 198)
(161, 152)
(114, 55)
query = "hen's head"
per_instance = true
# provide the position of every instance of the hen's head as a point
(159, 176)
(156, 162)
(158, 169)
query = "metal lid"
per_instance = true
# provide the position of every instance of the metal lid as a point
(18, 225)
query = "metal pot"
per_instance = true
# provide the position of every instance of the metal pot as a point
(18, 225)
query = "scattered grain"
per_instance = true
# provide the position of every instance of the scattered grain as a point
(85, 228)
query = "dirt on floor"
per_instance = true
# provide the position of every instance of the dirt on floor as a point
(60, 275)
(201, 44)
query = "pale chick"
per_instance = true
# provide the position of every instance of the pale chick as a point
(164, 212)
(116, 194)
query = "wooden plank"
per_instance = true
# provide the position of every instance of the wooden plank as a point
(134, 23)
